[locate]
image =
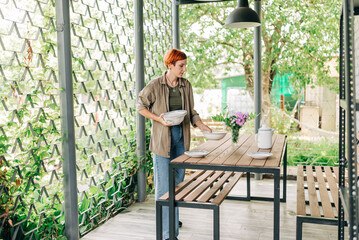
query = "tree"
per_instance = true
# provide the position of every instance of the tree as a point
(298, 37)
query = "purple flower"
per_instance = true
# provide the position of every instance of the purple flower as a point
(239, 118)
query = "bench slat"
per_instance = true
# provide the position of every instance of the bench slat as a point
(312, 193)
(193, 185)
(324, 195)
(336, 171)
(225, 191)
(332, 185)
(184, 184)
(192, 197)
(209, 194)
(300, 192)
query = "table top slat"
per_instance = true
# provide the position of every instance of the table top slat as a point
(324, 194)
(212, 145)
(245, 159)
(333, 184)
(237, 154)
(222, 157)
(301, 209)
(312, 193)
(215, 188)
(277, 151)
(214, 154)
(249, 146)
(196, 193)
(208, 146)
(278, 144)
(262, 162)
(225, 155)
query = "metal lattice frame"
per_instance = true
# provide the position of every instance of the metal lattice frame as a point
(30, 149)
(157, 32)
(103, 74)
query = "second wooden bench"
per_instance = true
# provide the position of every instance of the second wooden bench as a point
(317, 196)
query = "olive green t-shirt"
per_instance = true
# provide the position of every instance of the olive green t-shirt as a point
(175, 101)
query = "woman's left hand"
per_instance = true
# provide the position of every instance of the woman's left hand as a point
(203, 126)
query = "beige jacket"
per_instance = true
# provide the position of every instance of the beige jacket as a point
(155, 97)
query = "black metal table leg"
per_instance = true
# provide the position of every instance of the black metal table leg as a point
(158, 221)
(171, 189)
(248, 186)
(276, 204)
(216, 220)
(284, 199)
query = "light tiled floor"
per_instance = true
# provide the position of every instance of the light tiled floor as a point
(239, 219)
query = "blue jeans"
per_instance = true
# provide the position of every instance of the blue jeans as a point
(160, 166)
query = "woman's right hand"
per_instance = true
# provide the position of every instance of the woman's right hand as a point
(162, 120)
(146, 113)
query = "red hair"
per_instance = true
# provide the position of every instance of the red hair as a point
(172, 56)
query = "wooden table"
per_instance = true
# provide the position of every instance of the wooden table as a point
(225, 156)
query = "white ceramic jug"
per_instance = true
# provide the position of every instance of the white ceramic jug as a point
(264, 137)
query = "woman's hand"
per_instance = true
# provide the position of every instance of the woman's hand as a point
(203, 127)
(162, 121)
(146, 113)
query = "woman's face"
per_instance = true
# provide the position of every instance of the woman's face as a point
(179, 68)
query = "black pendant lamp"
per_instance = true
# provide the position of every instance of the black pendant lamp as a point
(242, 16)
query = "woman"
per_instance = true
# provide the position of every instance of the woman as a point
(166, 93)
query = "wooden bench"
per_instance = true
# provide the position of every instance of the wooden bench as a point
(317, 196)
(202, 189)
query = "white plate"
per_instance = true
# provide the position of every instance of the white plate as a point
(196, 153)
(259, 155)
(215, 135)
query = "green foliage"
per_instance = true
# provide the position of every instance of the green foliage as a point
(323, 152)
(281, 123)
(149, 159)
(116, 192)
(30, 184)
(298, 37)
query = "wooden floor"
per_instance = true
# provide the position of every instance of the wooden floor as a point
(239, 219)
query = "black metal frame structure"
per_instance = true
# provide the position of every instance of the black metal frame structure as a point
(276, 199)
(348, 195)
(302, 219)
(212, 206)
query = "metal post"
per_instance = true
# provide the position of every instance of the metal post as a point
(140, 82)
(175, 25)
(341, 130)
(350, 117)
(257, 68)
(257, 75)
(67, 118)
